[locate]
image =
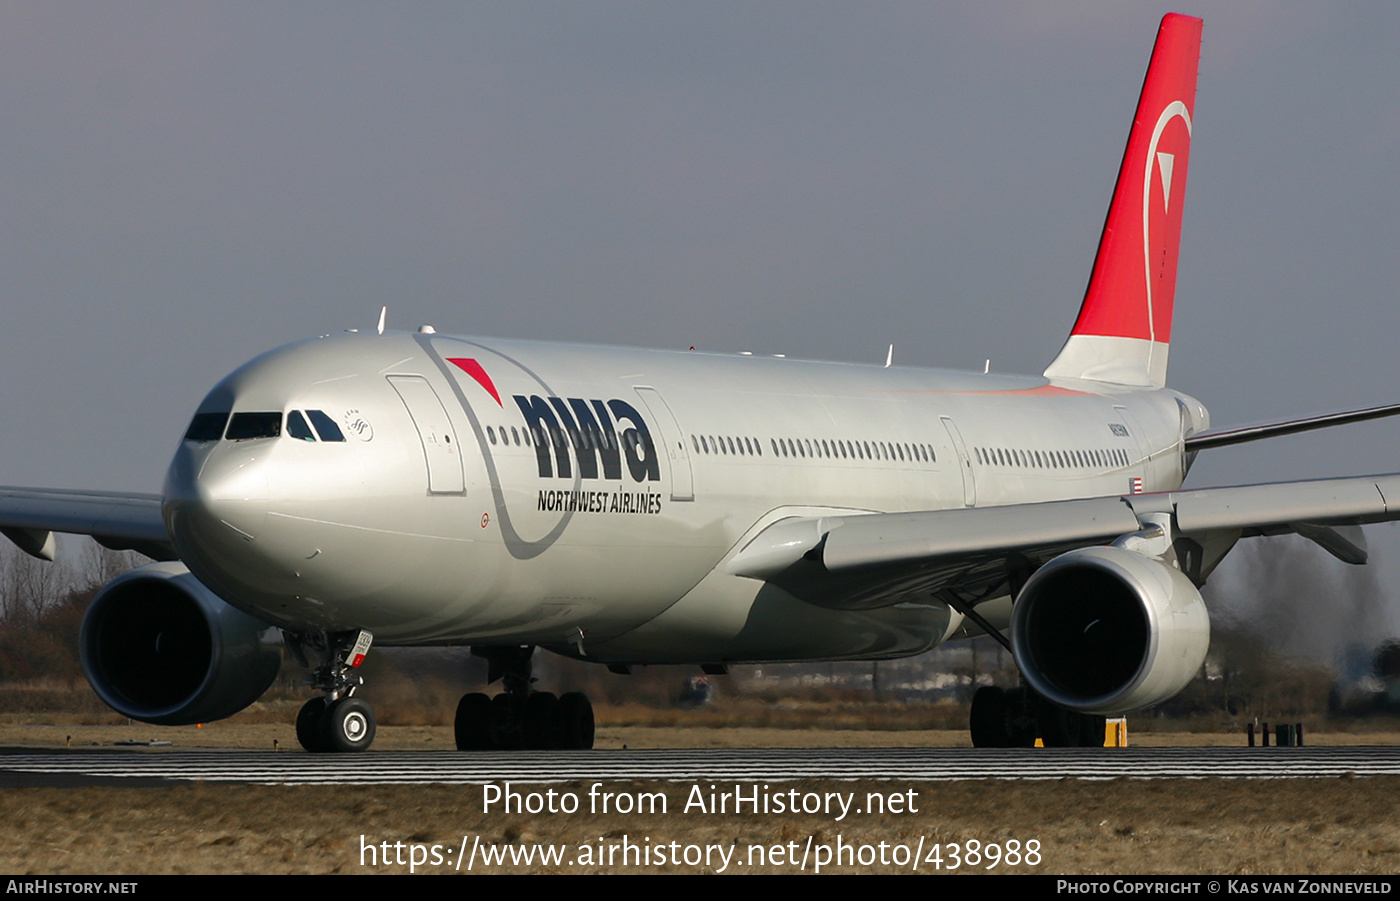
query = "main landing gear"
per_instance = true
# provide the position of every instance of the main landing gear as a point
(1016, 717)
(520, 718)
(337, 721)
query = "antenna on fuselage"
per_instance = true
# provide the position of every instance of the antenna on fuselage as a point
(889, 357)
(383, 311)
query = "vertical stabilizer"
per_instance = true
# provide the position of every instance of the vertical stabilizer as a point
(1124, 326)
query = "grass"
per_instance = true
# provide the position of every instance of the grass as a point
(1121, 826)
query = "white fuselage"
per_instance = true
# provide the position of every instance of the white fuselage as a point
(585, 498)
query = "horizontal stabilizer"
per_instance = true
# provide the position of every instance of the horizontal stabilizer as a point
(1224, 437)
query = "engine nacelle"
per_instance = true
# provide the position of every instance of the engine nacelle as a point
(158, 646)
(1106, 630)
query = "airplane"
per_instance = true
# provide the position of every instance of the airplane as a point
(631, 507)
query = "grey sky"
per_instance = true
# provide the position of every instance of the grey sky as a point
(185, 185)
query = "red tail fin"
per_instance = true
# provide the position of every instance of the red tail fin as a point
(1124, 326)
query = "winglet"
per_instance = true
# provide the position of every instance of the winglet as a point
(1124, 326)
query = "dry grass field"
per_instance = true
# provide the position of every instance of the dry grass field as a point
(1226, 827)
(1118, 827)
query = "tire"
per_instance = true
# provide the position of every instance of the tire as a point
(988, 719)
(348, 726)
(472, 725)
(1059, 728)
(505, 723)
(540, 725)
(1092, 730)
(309, 725)
(575, 719)
(1020, 718)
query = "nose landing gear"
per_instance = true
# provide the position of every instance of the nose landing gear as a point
(348, 725)
(336, 721)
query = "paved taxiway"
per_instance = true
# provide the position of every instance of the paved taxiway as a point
(74, 767)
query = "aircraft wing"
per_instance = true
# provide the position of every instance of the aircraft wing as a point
(877, 560)
(117, 520)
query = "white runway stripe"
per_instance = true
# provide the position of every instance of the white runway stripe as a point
(295, 768)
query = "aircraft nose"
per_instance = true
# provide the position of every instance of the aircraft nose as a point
(216, 497)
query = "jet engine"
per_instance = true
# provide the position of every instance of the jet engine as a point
(158, 646)
(1105, 630)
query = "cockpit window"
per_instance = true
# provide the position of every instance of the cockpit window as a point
(254, 425)
(325, 426)
(207, 426)
(297, 427)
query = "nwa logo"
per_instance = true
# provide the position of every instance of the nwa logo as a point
(594, 435)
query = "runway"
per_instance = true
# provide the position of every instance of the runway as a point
(75, 767)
